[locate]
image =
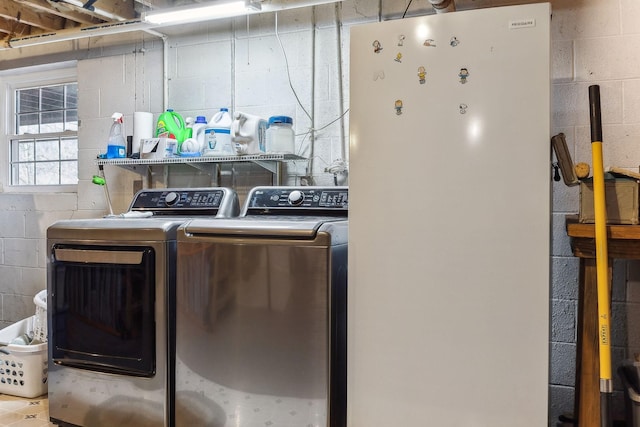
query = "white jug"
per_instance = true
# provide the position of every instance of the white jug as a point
(218, 134)
(248, 133)
(198, 132)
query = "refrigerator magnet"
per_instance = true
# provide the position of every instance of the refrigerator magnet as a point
(398, 57)
(429, 43)
(377, 47)
(401, 38)
(398, 107)
(454, 41)
(463, 108)
(422, 75)
(463, 74)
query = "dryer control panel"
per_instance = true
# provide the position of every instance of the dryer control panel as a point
(288, 200)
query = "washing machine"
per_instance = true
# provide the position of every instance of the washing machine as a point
(111, 309)
(261, 312)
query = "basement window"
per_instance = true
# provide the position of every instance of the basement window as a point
(44, 143)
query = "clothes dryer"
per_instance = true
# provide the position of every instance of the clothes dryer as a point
(261, 312)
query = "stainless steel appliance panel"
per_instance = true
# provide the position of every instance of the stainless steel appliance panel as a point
(111, 309)
(95, 389)
(255, 316)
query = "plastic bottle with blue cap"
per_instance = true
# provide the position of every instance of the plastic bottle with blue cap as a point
(280, 136)
(217, 134)
(195, 144)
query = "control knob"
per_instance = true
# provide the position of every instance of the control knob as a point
(171, 198)
(296, 197)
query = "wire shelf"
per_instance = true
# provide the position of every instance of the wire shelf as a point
(200, 159)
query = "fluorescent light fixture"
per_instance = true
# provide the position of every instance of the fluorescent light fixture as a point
(229, 9)
(198, 13)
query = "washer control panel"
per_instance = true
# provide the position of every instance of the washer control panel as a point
(181, 201)
(263, 200)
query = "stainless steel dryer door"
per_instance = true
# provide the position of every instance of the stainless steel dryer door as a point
(102, 308)
(253, 326)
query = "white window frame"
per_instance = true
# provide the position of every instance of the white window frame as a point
(11, 81)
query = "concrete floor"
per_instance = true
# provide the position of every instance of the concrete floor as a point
(23, 412)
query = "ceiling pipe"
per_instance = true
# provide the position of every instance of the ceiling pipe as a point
(79, 33)
(443, 6)
(165, 66)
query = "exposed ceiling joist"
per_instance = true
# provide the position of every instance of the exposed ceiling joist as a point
(19, 18)
(59, 9)
(11, 28)
(45, 21)
(122, 10)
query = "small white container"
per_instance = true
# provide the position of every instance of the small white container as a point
(280, 136)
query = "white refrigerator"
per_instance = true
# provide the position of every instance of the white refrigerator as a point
(449, 220)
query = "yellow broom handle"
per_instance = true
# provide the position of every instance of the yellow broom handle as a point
(602, 264)
(602, 259)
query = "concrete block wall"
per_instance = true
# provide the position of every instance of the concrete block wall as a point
(121, 79)
(247, 69)
(107, 78)
(232, 64)
(24, 219)
(593, 42)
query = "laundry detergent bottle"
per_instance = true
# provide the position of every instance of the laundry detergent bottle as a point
(117, 146)
(171, 125)
(217, 136)
(248, 133)
(195, 142)
(198, 131)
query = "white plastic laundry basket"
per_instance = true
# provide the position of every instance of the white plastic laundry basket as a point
(23, 368)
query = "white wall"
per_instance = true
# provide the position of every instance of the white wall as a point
(23, 217)
(226, 64)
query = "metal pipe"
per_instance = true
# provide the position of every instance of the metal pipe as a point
(165, 66)
(76, 34)
(343, 148)
(312, 136)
